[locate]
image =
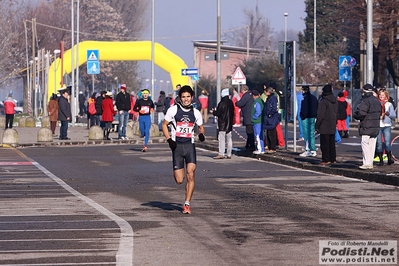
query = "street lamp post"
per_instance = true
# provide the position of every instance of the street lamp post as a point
(218, 66)
(314, 31)
(285, 26)
(369, 52)
(56, 52)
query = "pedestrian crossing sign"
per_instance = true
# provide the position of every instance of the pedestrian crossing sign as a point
(92, 55)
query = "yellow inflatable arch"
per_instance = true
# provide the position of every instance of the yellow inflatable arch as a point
(120, 51)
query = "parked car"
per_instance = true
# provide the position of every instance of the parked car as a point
(18, 109)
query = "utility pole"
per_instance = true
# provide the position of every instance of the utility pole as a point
(218, 68)
(369, 53)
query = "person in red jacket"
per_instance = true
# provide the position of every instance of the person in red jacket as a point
(133, 114)
(108, 114)
(203, 98)
(9, 105)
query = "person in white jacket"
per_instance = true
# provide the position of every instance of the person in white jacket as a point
(387, 114)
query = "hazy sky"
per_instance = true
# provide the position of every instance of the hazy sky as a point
(180, 22)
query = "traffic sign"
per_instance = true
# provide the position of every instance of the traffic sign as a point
(92, 55)
(93, 67)
(345, 64)
(189, 71)
(345, 74)
(194, 77)
(93, 63)
(238, 77)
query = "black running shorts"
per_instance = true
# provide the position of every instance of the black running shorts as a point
(184, 153)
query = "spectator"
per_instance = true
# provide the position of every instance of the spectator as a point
(82, 107)
(279, 131)
(225, 113)
(145, 107)
(108, 113)
(52, 110)
(123, 105)
(256, 120)
(245, 103)
(237, 111)
(133, 114)
(168, 101)
(183, 119)
(177, 99)
(344, 111)
(203, 99)
(99, 108)
(270, 120)
(196, 103)
(348, 118)
(368, 112)
(92, 116)
(387, 114)
(299, 98)
(160, 108)
(64, 113)
(9, 109)
(326, 125)
(308, 114)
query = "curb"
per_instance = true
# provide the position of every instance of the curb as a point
(292, 159)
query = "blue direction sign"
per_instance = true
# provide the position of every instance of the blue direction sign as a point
(189, 71)
(93, 67)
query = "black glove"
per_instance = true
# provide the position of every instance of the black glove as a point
(172, 144)
(201, 137)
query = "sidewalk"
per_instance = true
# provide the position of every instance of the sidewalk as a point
(347, 164)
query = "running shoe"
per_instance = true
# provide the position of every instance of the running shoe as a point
(186, 209)
(144, 149)
(313, 153)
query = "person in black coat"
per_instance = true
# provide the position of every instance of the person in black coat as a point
(64, 113)
(270, 120)
(245, 103)
(225, 114)
(326, 123)
(99, 109)
(160, 108)
(368, 112)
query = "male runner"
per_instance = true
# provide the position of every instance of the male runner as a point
(182, 117)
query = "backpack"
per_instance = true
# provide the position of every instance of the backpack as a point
(92, 108)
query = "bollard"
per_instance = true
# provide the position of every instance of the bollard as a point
(96, 133)
(2, 121)
(44, 135)
(21, 121)
(30, 122)
(10, 136)
(46, 121)
(129, 131)
(154, 131)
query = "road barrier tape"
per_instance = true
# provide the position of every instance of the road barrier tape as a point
(239, 135)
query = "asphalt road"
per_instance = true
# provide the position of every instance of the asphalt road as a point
(113, 204)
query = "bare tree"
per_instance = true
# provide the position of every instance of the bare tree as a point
(258, 28)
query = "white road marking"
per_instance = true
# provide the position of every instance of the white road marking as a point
(124, 256)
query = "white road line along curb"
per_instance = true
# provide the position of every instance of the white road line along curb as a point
(124, 256)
